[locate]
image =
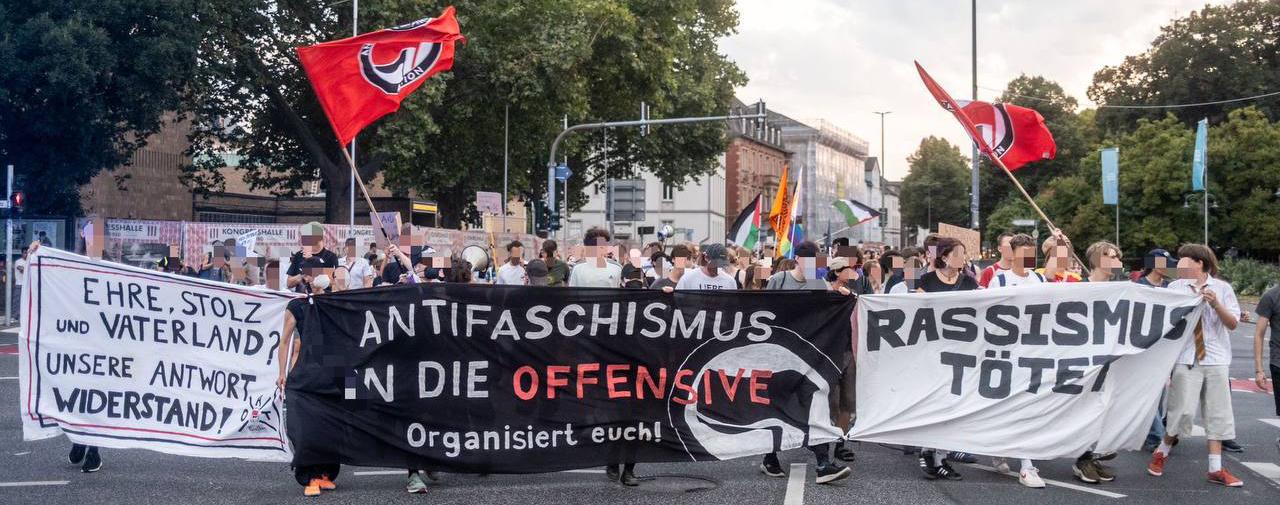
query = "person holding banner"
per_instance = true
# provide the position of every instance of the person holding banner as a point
(1201, 375)
(1105, 265)
(598, 270)
(313, 477)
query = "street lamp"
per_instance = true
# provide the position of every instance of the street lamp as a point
(883, 161)
(1210, 202)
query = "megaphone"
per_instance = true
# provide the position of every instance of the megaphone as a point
(665, 232)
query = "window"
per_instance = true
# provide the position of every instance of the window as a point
(668, 192)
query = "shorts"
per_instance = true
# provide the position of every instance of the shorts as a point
(1203, 390)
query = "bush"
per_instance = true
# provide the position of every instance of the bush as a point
(1250, 277)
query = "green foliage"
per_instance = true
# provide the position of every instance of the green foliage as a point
(936, 188)
(82, 84)
(1248, 276)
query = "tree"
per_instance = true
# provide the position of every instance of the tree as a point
(936, 188)
(588, 59)
(1243, 155)
(83, 85)
(1219, 52)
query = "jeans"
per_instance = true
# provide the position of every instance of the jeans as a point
(1156, 434)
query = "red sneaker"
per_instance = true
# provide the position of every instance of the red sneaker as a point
(1225, 478)
(326, 483)
(1156, 466)
(312, 488)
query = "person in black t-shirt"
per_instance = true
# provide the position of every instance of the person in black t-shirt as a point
(313, 477)
(948, 270)
(302, 264)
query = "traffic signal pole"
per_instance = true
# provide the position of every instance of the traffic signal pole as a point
(760, 115)
(8, 250)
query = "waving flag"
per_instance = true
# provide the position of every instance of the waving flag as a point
(1198, 159)
(796, 233)
(780, 214)
(746, 229)
(1014, 135)
(855, 213)
(363, 78)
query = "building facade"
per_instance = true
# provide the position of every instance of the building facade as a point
(893, 232)
(696, 211)
(832, 164)
(752, 164)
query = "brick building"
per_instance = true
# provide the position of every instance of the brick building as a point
(753, 162)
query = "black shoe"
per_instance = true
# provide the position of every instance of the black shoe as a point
(629, 479)
(1231, 446)
(832, 472)
(961, 457)
(946, 472)
(611, 472)
(844, 453)
(906, 449)
(92, 462)
(770, 466)
(926, 465)
(77, 454)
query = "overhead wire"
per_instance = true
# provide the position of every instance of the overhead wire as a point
(1165, 106)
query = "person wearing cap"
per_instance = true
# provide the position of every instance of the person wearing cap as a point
(312, 256)
(538, 273)
(709, 275)
(672, 266)
(1155, 268)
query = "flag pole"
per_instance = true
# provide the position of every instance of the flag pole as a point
(1049, 222)
(365, 191)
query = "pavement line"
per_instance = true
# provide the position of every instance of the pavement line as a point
(382, 472)
(8, 378)
(1273, 422)
(586, 470)
(1058, 483)
(35, 483)
(1268, 470)
(23, 453)
(795, 485)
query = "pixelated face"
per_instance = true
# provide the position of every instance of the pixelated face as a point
(1006, 250)
(339, 279)
(219, 256)
(635, 258)
(679, 263)
(1189, 268)
(350, 248)
(1024, 256)
(1110, 260)
(1059, 257)
(898, 262)
(956, 258)
(516, 252)
(311, 244)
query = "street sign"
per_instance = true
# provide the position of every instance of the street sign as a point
(4, 204)
(627, 200)
(563, 173)
(1024, 222)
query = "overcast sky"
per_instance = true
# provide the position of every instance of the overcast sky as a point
(842, 59)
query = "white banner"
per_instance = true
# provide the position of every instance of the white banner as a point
(121, 357)
(1040, 371)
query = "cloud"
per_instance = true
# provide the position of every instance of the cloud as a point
(842, 60)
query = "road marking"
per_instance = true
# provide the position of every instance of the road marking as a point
(795, 485)
(9, 349)
(35, 483)
(383, 472)
(1268, 470)
(586, 470)
(1051, 482)
(1273, 422)
(24, 453)
(8, 378)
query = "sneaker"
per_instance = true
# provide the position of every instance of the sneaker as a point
(926, 465)
(312, 488)
(771, 467)
(1225, 478)
(1156, 466)
(629, 479)
(1231, 446)
(326, 483)
(1031, 478)
(77, 454)
(843, 453)
(611, 473)
(961, 457)
(946, 472)
(1104, 474)
(832, 472)
(415, 484)
(1086, 472)
(1106, 457)
(1001, 465)
(92, 462)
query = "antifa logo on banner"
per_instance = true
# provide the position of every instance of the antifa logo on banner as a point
(994, 121)
(787, 362)
(411, 65)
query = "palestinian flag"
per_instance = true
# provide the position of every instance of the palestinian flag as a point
(854, 212)
(746, 229)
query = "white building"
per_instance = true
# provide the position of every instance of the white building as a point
(833, 165)
(893, 232)
(695, 211)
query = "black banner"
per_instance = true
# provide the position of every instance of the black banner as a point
(507, 379)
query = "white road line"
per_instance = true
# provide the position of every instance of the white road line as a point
(8, 378)
(1057, 483)
(35, 483)
(586, 470)
(23, 453)
(1273, 422)
(1268, 470)
(383, 472)
(795, 485)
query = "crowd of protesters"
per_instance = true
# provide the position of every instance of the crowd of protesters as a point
(1198, 381)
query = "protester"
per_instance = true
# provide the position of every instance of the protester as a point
(372, 253)
(1267, 310)
(710, 275)
(1201, 376)
(1006, 259)
(512, 273)
(909, 276)
(398, 267)
(19, 278)
(1058, 262)
(557, 271)
(1105, 265)
(313, 255)
(1155, 268)
(681, 258)
(359, 272)
(537, 273)
(312, 477)
(796, 278)
(598, 270)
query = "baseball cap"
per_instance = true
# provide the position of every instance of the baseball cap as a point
(311, 229)
(1150, 261)
(537, 272)
(837, 263)
(717, 256)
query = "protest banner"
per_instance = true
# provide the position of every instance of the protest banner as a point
(1038, 371)
(272, 240)
(535, 379)
(969, 237)
(122, 357)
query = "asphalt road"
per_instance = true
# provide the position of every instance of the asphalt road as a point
(38, 473)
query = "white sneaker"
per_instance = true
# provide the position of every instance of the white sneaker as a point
(1001, 465)
(1031, 478)
(415, 485)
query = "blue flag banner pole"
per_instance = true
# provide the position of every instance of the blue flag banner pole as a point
(1111, 182)
(1201, 154)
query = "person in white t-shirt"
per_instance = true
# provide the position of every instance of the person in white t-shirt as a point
(597, 270)
(359, 273)
(1021, 265)
(710, 276)
(512, 272)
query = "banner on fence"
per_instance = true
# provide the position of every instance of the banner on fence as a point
(536, 379)
(122, 357)
(1040, 371)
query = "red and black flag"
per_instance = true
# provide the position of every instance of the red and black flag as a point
(363, 78)
(1014, 135)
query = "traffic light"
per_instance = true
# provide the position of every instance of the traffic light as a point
(553, 221)
(16, 200)
(540, 216)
